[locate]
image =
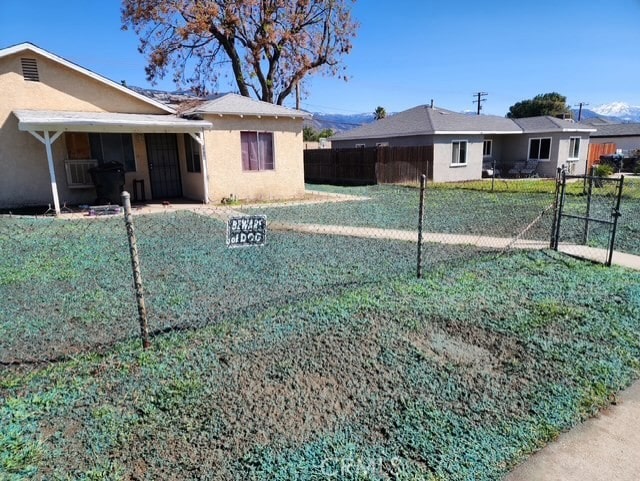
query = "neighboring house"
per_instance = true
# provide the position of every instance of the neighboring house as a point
(58, 119)
(625, 136)
(462, 142)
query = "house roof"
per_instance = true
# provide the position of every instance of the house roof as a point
(22, 47)
(617, 130)
(234, 104)
(426, 120)
(38, 120)
(548, 124)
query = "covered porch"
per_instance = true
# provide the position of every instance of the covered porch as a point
(163, 155)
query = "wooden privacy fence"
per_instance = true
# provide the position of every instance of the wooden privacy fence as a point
(596, 150)
(372, 165)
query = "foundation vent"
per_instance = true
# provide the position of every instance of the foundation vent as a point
(30, 69)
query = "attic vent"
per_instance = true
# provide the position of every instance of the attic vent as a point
(30, 69)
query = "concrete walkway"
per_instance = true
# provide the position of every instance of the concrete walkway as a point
(603, 448)
(599, 255)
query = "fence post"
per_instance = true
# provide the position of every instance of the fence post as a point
(585, 235)
(554, 222)
(493, 172)
(615, 213)
(135, 267)
(423, 183)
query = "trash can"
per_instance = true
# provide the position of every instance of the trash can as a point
(108, 178)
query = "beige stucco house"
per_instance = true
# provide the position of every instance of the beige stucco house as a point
(463, 145)
(57, 120)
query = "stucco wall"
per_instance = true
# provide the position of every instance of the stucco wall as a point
(23, 158)
(517, 148)
(224, 159)
(444, 171)
(624, 143)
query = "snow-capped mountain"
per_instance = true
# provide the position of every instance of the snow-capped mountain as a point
(621, 110)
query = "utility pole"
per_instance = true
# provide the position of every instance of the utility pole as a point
(580, 105)
(479, 101)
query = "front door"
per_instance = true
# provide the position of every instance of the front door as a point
(164, 167)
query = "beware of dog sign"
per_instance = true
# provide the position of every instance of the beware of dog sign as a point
(246, 231)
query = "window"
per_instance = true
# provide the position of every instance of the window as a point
(192, 151)
(459, 152)
(113, 148)
(487, 147)
(360, 146)
(574, 148)
(78, 176)
(382, 144)
(539, 149)
(257, 150)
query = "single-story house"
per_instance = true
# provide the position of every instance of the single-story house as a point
(625, 136)
(58, 119)
(462, 143)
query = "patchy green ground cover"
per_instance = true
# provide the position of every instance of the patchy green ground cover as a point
(66, 286)
(457, 376)
(452, 211)
(470, 208)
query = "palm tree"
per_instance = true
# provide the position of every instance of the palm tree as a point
(380, 113)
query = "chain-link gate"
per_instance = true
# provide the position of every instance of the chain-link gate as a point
(586, 213)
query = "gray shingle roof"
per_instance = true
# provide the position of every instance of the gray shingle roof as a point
(551, 124)
(234, 104)
(617, 130)
(425, 120)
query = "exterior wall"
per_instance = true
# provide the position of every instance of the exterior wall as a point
(516, 148)
(224, 159)
(624, 143)
(24, 157)
(408, 141)
(192, 182)
(444, 171)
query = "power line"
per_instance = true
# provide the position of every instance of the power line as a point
(479, 101)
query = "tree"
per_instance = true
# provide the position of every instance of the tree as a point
(544, 104)
(266, 46)
(380, 113)
(309, 134)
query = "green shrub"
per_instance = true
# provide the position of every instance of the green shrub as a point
(603, 170)
(636, 169)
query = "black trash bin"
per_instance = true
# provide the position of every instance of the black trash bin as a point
(108, 178)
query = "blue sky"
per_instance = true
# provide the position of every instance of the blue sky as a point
(406, 53)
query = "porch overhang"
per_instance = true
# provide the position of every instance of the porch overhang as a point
(48, 125)
(62, 121)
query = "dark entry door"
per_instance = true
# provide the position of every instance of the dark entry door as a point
(164, 168)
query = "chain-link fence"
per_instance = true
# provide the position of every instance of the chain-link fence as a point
(66, 283)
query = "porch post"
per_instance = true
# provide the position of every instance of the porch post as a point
(48, 140)
(199, 137)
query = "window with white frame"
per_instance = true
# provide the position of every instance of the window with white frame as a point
(574, 148)
(487, 148)
(459, 152)
(540, 149)
(257, 150)
(360, 146)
